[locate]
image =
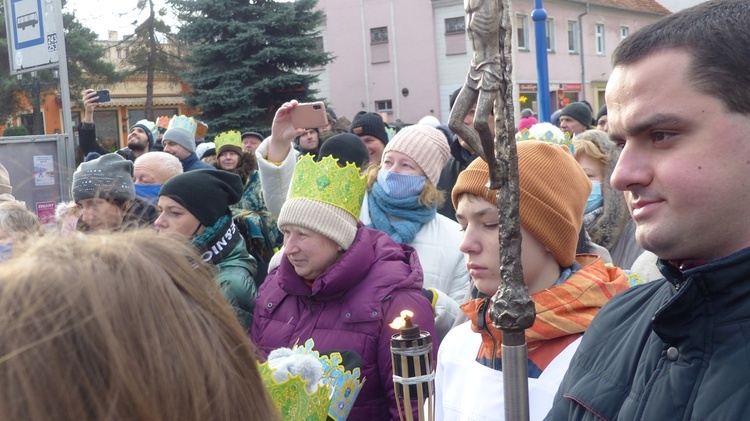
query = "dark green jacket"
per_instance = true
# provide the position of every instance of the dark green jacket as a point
(674, 349)
(235, 278)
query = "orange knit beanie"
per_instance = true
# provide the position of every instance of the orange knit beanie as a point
(553, 194)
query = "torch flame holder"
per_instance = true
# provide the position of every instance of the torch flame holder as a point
(413, 375)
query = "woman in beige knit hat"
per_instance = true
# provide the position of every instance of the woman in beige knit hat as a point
(402, 201)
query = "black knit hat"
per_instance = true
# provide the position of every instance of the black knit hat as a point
(369, 124)
(602, 111)
(206, 194)
(345, 147)
(579, 112)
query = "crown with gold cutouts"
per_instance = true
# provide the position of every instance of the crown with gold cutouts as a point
(325, 181)
(183, 122)
(231, 138)
(546, 132)
(332, 396)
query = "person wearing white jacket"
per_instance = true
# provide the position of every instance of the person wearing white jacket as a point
(402, 201)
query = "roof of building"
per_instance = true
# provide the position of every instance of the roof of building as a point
(139, 101)
(647, 6)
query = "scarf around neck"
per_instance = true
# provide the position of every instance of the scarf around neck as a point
(218, 240)
(409, 214)
(564, 312)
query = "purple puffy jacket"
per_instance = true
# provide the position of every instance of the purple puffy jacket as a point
(348, 308)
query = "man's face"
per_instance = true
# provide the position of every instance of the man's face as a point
(309, 140)
(250, 143)
(100, 214)
(571, 125)
(602, 124)
(137, 139)
(685, 160)
(229, 161)
(175, 149)
(374, 148)
(148, 171)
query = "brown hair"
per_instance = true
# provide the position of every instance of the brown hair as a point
(111, 326)
(429, 196)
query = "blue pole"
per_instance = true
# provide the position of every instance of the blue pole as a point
(539, 16)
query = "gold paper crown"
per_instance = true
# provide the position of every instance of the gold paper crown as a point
(183, 122)
(327, 182)
(546, 132)
(231, 137)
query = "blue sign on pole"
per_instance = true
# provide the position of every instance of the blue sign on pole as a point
(32, 28)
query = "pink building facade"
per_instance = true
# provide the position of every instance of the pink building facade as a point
(403, 58)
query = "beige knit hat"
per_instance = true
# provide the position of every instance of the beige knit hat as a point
(553, 193)
(327, 220)
(424, 144)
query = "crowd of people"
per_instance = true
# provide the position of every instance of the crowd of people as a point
(181, 264)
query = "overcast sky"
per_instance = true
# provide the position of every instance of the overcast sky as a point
(102, 16)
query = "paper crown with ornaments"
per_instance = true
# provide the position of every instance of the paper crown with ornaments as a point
(546, 132)
(328, 182)
(305, 385)
(230, 138)
(183, 122)
(162, 123)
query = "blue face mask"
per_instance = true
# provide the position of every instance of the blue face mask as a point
(148, 192)
(595, 198)
(400, 186)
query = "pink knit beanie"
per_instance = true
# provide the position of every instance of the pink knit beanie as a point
(425, 145)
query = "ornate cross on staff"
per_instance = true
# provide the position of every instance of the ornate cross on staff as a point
(489, 84)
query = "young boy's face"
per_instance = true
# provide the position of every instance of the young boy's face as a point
(481, 249)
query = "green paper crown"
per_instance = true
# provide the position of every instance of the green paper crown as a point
(546, 132)
(327, 182)
(183, 122)
(231, 137)
(334, 398)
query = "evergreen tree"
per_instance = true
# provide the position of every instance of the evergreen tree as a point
(152, 49)
(246, 58)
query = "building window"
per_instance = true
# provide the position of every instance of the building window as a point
(549, 27)
(522, 32)
(624, 32)
(600, 39)
(572, 36)
(455, 38)
(379, 35)
(455, 25)
(384, 106)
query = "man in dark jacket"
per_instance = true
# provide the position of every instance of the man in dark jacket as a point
(140, 138)
(677, 348)
(461, 156)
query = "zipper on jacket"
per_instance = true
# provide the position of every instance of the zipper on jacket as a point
(482, 325)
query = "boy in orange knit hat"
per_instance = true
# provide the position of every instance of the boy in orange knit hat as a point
(568, 290)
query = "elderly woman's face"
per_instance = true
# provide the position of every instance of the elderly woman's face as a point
(309, 252)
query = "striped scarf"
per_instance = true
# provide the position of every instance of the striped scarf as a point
(563, 313)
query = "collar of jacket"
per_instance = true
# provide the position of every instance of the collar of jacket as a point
(718, 290)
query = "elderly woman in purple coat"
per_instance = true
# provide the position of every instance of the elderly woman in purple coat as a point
(340, 282)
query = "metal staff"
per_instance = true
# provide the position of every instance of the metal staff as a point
(489, 82)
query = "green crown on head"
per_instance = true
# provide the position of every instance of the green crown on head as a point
(325, 181)
(231, 137)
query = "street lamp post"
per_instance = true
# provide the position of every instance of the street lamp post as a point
(539, 16)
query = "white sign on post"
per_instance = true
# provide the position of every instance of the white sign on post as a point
(32, 29)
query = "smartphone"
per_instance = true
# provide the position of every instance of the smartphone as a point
(103, 95)
(309, 115)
